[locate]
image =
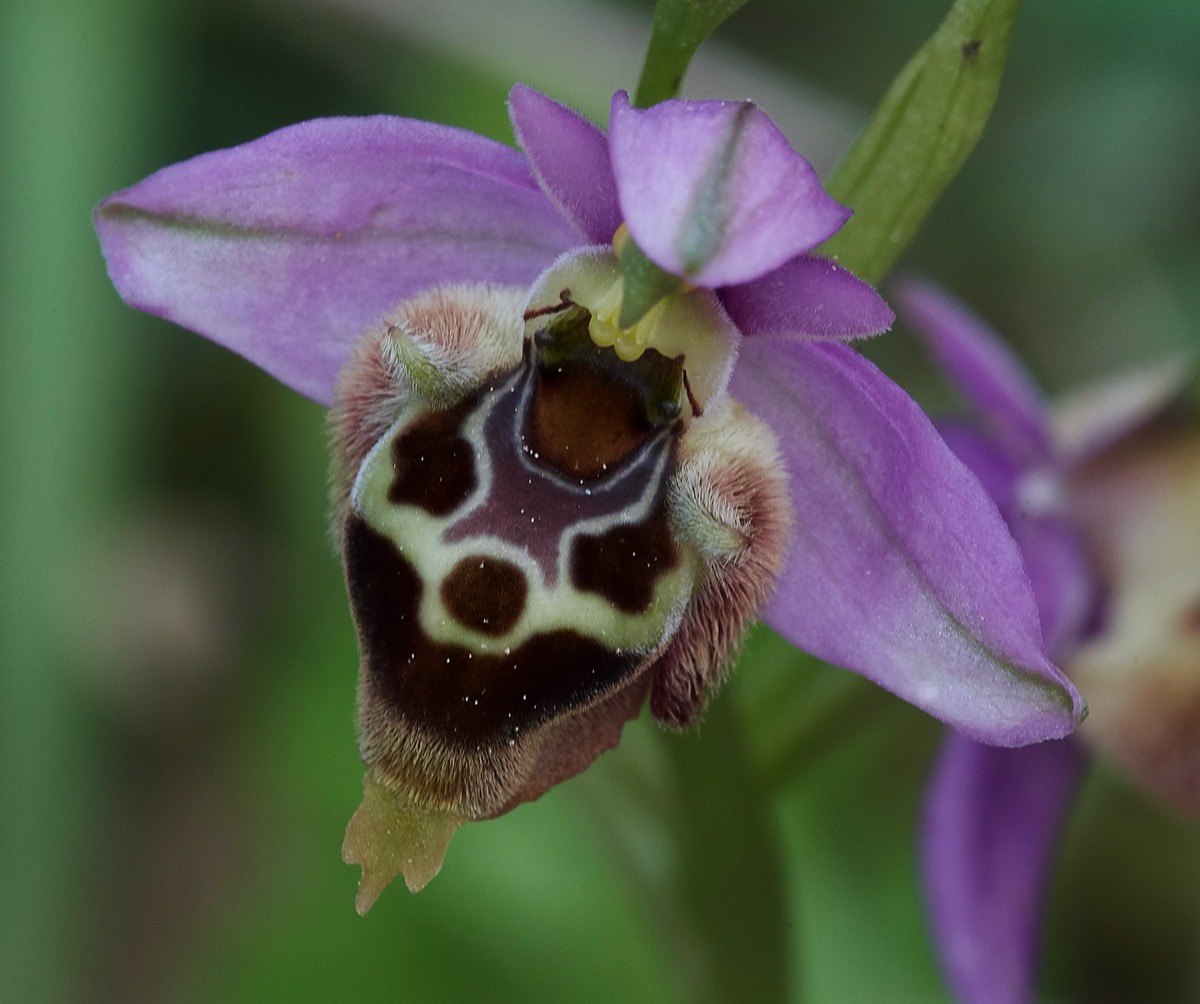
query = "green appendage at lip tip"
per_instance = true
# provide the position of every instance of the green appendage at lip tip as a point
(388, 837)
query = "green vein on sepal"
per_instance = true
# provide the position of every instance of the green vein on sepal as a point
(207, 227)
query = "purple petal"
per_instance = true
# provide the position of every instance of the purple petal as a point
(712, 191)
(988, 461)
(809, 297)
(286, 248)
(569, 157)
(1064, 584)
(981, 367)
(901, 567)
(1093, 418)
(992, 823)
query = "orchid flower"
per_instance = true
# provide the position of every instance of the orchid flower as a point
(592, 414)
(993, 816)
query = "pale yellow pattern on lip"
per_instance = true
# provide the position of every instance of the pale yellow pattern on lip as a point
(421, 539)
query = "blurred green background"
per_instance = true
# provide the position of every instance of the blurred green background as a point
(177, 663)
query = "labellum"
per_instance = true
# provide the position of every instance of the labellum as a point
(544, 518)
(1138, 503)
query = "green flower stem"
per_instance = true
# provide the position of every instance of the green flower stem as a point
(730, 876)
(836, 717)
(696, 834)
(69, 137)
(928, 122)
(679, 27)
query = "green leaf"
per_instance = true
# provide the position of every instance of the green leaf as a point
(678, 29)
(928, 122)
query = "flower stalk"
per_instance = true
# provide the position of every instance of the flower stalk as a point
(678, 30)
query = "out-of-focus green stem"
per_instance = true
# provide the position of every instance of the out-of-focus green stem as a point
(928, 122)
(696, 832)
(730, 877)
(837, 718)
(69, 108)
(679, 27)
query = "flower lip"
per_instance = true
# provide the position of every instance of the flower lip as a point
(712, 191)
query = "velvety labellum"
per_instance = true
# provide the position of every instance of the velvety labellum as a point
(538, 535)
(510, 559)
